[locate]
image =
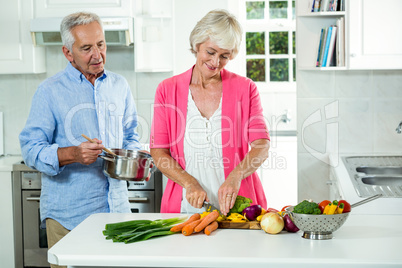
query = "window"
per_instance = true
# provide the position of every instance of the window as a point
(270, 56)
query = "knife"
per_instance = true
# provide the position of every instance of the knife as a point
(209, 207)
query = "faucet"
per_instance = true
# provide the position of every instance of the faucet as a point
(285, 118)
(399, 128)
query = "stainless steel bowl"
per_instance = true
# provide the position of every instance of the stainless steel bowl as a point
(317, 227)
(127, 165)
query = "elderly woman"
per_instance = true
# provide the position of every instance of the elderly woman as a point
(205, 121)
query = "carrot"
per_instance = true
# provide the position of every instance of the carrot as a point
(210, 228)
(177, 228)
(206, 221)
(189, 228)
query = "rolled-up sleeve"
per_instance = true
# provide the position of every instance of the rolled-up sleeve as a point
(36, 138)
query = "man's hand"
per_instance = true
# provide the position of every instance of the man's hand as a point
(86, 153)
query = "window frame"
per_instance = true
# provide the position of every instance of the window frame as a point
(268, 25)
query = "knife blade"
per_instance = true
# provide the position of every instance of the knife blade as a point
(209, 207)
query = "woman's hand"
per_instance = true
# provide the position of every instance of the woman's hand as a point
(195, 194)
(254, 158)
(228, 192)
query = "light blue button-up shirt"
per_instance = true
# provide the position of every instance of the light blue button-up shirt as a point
(65, 106)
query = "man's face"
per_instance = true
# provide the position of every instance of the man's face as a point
(88, 53)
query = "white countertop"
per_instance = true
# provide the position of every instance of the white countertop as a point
(348, 192)
(363, 241)
(7, 162)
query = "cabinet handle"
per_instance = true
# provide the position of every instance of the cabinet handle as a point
(353, 55)
(33, 199)
(137, 199)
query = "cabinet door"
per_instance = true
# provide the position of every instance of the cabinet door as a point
(375, 36)
(278, 173)
(103, 8)
(17, 53)
(7, 224)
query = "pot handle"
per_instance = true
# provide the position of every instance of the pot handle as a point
(153, 166)
(106, 158)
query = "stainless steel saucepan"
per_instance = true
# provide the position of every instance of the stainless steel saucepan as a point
(127, 165)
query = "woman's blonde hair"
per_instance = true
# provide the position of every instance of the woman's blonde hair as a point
(221, 27)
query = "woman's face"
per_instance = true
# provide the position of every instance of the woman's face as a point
(211, 59)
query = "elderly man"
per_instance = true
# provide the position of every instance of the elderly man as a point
(84, 98)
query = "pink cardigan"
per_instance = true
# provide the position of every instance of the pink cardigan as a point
(242, 123)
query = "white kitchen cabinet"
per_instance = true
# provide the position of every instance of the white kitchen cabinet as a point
(18, 54)
(6, 223)
(103, 8)
(375, 36)
(372, 34)
(153, 36)
(308, 30)
(278, 173)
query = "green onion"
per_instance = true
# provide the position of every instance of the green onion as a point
(140, 230)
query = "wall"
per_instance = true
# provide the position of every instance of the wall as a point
(187, 14)
(16, 91)
(359, 110)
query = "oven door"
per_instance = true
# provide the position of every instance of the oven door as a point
(35, 240)
(142, 201)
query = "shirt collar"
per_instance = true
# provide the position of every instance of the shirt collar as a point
(78, 76)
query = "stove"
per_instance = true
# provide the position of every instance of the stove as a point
(31, 241)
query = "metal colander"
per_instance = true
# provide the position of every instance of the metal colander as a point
(318, 227)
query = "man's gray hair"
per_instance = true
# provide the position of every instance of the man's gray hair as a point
(72, 20)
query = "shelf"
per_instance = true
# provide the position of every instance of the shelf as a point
(323, 14)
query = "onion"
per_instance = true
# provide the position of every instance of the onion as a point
(289, 224)
(252, 212)
(272, 223)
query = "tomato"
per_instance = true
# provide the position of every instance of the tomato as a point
(272, 210)
(283, 209)
(323, 204)
(347, 207)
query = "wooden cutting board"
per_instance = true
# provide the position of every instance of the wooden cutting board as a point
(254, 225)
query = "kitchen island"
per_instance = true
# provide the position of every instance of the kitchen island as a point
(363, 241)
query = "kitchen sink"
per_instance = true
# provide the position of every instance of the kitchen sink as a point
(380, 170)
(373, 175)
(383, 180)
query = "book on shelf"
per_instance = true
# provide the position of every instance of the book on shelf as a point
(320, 47)
(331, 54)
(327, 41)
(331, 45)
(340, 45)
(316, 5)
(326, 5)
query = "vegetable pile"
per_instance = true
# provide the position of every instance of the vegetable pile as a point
(139, 230)
(240, 204)
(325, 207)
(195, 224)
(307, 207)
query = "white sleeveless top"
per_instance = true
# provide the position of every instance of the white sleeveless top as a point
(203, 153)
